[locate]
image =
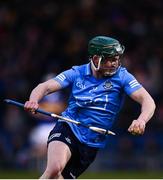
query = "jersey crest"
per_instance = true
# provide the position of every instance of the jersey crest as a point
(107, 84)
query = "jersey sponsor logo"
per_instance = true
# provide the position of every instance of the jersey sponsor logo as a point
(61, 77)
(133, 83)
(99, 102)
(80, 85)
(107, 85)
(54, 135)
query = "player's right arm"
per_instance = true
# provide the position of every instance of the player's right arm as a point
(60, 81)
(39, 92)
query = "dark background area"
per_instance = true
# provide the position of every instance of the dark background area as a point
(38, 37)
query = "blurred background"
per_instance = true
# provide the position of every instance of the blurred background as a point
(39, 39)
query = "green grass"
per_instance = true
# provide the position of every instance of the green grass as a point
(87, 175)
(18, 174)
(122, 175)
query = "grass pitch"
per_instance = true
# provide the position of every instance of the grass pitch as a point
(123, 175)
(87, 175)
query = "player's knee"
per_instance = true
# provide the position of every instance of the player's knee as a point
(55, 171)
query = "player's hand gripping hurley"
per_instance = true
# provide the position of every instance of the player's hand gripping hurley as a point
(41, 111)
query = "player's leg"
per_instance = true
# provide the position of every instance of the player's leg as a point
(58, 156)
(58, 151)
(81, 158)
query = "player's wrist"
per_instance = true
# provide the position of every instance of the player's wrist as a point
(142, 121)
(34, 100)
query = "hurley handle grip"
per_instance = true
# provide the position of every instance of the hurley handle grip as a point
(18, 104)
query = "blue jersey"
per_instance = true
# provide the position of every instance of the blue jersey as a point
(95, 102)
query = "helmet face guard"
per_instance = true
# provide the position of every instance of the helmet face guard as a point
(104, 47)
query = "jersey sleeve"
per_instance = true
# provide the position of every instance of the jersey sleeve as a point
(66, 78)
(130, 83)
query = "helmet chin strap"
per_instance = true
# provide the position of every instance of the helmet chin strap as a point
(98, 65)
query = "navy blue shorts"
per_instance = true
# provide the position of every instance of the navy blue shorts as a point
(81, 155)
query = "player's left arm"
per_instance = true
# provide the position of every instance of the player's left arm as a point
(147, 110)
